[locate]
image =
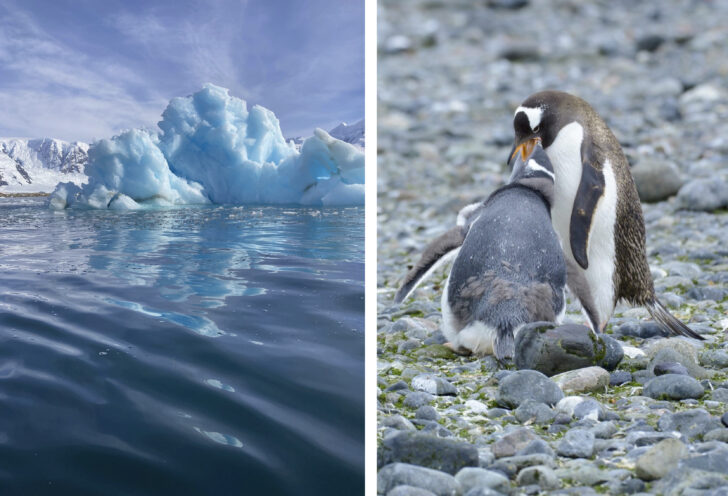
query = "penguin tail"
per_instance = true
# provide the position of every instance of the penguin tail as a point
(504, 345)
(669, 322)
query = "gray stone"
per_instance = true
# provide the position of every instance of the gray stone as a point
(688, 481)
(588, 379)
(582, 472)
(613, 352)
(423, 449)
(719, 434)
(536, 447)
(673, 387)
(660, 459)
(576, 443)
(553, 349)
(644, 330)
(399, 474)
(715, 460)
(690, 423)
(427, 412)
(619, 377)
(397, 422)
(650, 43)
(512, 442)
(540, 475)
(535, 412)
(656, 179)
(511, 465)
(409, 491)
(714, 358)
(483, 491)
(523, 385)
(604, 430)
(704, 194)
(589, 409)
(724, 419)
(397, 386)
(676, 350)
(663, 368)
(471, 478)
(707, 293)
(720, 394)
(416, 399)
(433, 384)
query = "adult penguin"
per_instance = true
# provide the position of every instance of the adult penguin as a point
(595, 209)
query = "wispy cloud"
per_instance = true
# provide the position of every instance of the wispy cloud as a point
(98, 72)
(49, 89)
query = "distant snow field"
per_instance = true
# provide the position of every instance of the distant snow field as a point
(38, 165)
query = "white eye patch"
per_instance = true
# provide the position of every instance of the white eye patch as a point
(533, 114)
(535, 166)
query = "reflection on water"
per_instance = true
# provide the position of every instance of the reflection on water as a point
(109, 373)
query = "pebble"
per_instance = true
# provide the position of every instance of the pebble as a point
(584, 380)
(523, 385)
(689, 423)
(673, 387)
(663, 368)
(553, 349)
(656, 179)
(428, 451)
(476, 478)
(535, 412)
(399, 474)
(576, 443)
(660, 459)
(540, 475)
(512, 442)
(619, 377)
(432, 384)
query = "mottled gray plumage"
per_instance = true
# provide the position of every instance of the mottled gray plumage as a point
(510, 269)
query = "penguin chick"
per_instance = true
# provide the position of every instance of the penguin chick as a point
(509, 268)
(595, 208)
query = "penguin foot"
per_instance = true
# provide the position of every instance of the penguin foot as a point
(669, 322)
(459, 350)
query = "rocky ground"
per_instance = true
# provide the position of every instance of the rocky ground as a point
(450, 75)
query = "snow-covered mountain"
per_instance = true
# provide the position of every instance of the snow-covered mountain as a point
(38, 165)
(351, 133)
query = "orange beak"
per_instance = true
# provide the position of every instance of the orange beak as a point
(525, 148)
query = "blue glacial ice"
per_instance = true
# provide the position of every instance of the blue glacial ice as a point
(212, 149)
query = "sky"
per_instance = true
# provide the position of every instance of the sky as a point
(88, 69)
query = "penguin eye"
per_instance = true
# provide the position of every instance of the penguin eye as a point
(537, 128)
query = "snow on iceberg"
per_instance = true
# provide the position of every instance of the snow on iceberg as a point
(212, 149)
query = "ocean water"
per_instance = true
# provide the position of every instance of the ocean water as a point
(210, 350)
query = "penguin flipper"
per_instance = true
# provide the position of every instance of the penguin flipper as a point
(669, 322)
(436, 253)
(591, 189)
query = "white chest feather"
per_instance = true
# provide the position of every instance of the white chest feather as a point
(565, 155)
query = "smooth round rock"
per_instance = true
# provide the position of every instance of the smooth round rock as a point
(433, 384)
(656, 180)
(583, 380)
(426, 450)
(619, 377)
(539, 475)
(553, 349)
(525, 385)
(663, 368)
(673, 387)
(576, 443)
(691, 424)
(403, 474)
(660, 459)
(535, 412)
(470, 478)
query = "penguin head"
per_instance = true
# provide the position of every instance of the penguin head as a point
(531, 167)
(542, 115)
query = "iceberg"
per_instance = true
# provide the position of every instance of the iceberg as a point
(212, 149)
